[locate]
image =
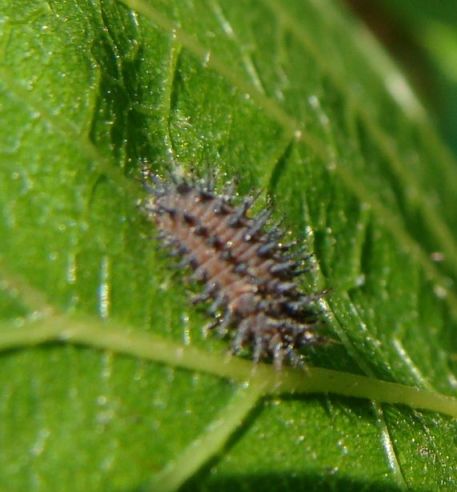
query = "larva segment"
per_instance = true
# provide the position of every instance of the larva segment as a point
(247, 271)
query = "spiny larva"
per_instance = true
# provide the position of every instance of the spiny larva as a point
(246, 270)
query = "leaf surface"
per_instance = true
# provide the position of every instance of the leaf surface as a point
(292, 98)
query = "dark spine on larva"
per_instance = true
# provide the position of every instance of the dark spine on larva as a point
(247, 271)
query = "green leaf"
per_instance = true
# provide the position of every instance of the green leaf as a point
(292, 98)
(428, 40)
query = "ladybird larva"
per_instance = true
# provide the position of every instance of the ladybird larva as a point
(247, 272)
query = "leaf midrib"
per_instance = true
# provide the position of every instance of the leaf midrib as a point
(65, 128)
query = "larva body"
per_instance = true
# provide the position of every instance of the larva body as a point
(247, 271)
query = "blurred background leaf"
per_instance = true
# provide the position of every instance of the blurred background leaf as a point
(422, 36)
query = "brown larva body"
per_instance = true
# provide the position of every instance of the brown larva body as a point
(247, 271)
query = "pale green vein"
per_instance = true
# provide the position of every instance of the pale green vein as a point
(388, 446)
(32, 299)
(211, 442)
(175, 50)
(293, 128)
(110, 335)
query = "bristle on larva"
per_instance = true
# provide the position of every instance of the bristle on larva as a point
(247, 272)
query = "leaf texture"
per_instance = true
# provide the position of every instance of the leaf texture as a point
(291, 98)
